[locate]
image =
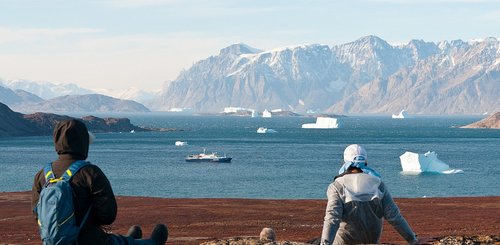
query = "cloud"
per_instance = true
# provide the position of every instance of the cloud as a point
(34, 34)
(491, 16)
(109, 62)
(203, 8)
(431, 1)
(143, 3)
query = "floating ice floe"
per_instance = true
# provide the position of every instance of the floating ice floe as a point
(181, 143)
(418, 163)
(266, 113)
(322, 122)
(263, 130)
(403, 114)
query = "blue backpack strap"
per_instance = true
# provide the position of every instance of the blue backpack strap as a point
(74, 168)
(47, 172)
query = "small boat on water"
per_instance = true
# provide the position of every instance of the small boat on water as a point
(263, 130)
(210, 157)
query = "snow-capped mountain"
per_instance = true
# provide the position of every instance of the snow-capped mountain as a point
(368, 75)
(136, 94)
(45, 90)
(63, 97)
(290, 78)
(17, 97)
(457, 77)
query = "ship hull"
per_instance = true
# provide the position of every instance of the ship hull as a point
(221, 159)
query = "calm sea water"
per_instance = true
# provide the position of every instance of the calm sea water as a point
(294, 163)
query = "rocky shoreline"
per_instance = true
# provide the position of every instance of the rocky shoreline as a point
(39, 123)
(493, 121)
(447, 240)
(194, 221)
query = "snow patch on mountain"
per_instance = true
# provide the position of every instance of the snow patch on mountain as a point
(137, 94)
(46, 90)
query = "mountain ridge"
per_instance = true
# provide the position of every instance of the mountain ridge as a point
(45, 90)
(17, 124)
(38, 91)
(23, 101)
(492, 122)
(368, 75)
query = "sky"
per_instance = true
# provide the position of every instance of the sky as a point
(117, 44)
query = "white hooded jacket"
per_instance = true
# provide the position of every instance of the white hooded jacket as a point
(357, 204)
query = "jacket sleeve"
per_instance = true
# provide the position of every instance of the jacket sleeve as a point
(333, 215)
(104, 207)
(394, 217)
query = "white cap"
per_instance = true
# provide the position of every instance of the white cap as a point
(355, 153)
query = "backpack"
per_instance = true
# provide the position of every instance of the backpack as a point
(55, 210)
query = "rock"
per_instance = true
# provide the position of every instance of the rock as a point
(110, 124)
(248, 241)
(17, 124)
(45, 122)
(267, 235)
(459, 240)
(492, 121)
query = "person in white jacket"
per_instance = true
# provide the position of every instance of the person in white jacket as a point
(358, 201)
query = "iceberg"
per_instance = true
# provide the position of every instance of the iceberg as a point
(412, 162)
(322, 122)
(176, 110)
(401, 115)
(263, 130)
(266, 113)
(181, 143)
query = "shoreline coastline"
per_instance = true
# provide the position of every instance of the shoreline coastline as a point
(194, 220)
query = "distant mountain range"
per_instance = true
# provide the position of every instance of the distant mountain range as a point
(365, 76)
(23, 101)
(368, 75)
(45, 90)
(26, 95)
(17, 97)
(136, 94)
(85, 103)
